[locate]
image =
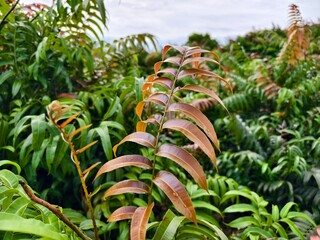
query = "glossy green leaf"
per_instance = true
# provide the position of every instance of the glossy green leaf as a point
(258, 231)
(243, 222)
(8, 162)
(14, 223)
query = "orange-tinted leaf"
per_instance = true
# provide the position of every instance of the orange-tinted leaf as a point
(87, 171)
(154, 119)
(127, 186)
(141, 126)
(174, 60)
(69, 120)
(164, 82)
(206, 91)
(177, 194)
(139, 222)
(185, 160)
(122, 213)
(194, 134)
(195, 71)
(86, 147)
(125, 161)
(157, 66)
(157, 98)
(146, 87)
(170, 71)
(168, 47)
(139, 109)
(201, 120)
(142, 138)
(79, 130)
(199, 59)
(91, 167)
(195, 52)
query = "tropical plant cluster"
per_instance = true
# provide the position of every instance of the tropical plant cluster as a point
(121, 141)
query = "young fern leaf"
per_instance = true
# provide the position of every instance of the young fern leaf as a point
(161, 102)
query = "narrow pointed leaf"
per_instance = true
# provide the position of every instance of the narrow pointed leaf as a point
(185, 160)
(170, 71)
(206, 91)
(141, 126)
(38, 126)
(157, 66)
(194, 134)
(177, 194)
(174, 60)
(86, 147)
(122, 213)
(201, 120)
(91, 167)
(199, 59)
(142, 138)
(125, 161)
(127, 186)
(164, 81)
(69, 120)
(139, 222)
(79, 130)
(190, 72)
(157, 98)
(168, 47)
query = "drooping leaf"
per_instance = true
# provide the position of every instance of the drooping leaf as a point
(142, 138)
(125, 161)
(122, 213)
(185, 160)
(139, 222)
(79, 130)
(8, 162)
(206, 91)
(157, 98)
(200, 119)
(10, 222)
(199, 59)
(194, 134)
(177, 194)
(127, 186)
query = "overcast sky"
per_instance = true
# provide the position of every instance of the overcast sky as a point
(172, 21)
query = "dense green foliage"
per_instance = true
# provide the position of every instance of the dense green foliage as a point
(268, 184)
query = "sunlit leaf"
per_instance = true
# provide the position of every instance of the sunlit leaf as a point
(141, 126)
(157, 98)
(206, 91)
(139, 222)
(194, 134)
(199, 59)
(79, 130)
(125, 161)
(201, 120)
(86, 147)
(69, 120)
(170, 71)
(127, 186)
(185, 160)
(177, 194)
(142, 138)
(122, 213)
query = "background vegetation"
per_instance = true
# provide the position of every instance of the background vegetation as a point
(268, 179)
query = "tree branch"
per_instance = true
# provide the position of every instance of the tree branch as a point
(53, 209)
(5, 16)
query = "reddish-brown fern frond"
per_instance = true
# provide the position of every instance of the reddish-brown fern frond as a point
(297, 43)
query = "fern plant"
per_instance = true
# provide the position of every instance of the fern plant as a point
(162, 111)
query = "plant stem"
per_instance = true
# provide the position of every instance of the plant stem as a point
(160, 130)
(83, 183)
(53, 209)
